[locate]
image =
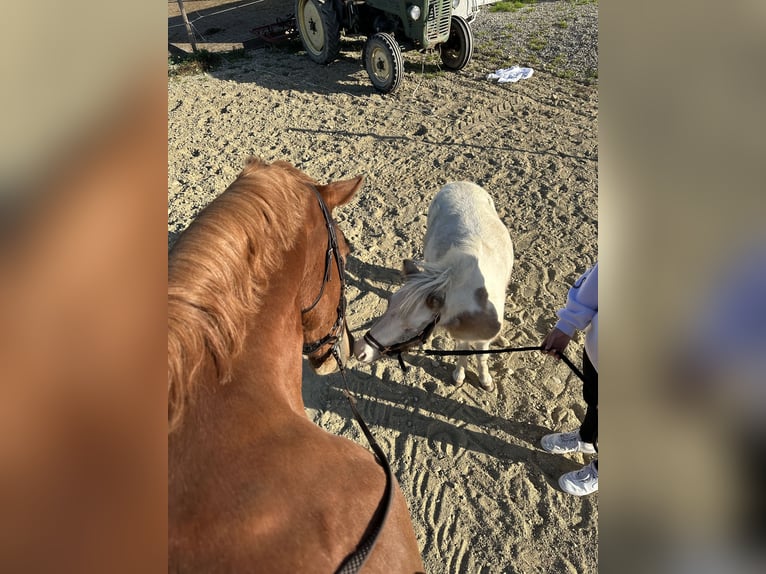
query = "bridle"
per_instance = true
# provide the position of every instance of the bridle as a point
(335, 335)
(398, 348)
(356, 559)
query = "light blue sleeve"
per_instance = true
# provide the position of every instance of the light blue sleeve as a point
(582, 303)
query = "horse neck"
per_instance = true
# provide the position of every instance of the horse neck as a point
(269, 370)
(268, 373)
(231, 423)
(266, 379)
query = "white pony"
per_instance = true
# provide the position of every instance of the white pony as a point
(459, 287)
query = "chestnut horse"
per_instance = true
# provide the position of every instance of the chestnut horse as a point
(254, 284)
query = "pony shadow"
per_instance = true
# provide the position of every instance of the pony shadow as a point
(442, 370)
(410, 410)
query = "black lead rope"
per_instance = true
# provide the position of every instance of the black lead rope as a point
(354, 561)
(563, 357)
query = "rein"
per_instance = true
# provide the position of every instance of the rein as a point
(562, 356)
(354, 561)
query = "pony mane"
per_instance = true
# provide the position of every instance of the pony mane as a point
(419, 285)
(218, 268)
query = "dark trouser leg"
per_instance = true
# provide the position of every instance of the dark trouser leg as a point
(753, 466)
(589, 426)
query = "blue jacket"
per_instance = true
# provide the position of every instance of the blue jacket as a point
(581, 312)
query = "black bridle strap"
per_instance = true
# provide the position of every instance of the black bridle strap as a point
(330, 339)
(400, 347)
(325, 279)
(389, 350)
(332, 249)
(460, 353)
(336, 331)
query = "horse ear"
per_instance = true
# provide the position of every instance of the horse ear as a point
(340, 192)
(435, 300)
(409, 267)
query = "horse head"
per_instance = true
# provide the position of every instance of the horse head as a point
(268, 240)
(412, 314)
(327, 338)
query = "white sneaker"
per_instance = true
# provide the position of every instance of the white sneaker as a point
(580, 482)
(564, 442)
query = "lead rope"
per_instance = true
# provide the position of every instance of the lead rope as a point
(354, 561)
(563, 357)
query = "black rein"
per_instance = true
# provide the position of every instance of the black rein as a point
(354, 561)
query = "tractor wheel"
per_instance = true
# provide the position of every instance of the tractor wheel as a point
(456, 52)
(384, 63)
(319, 28)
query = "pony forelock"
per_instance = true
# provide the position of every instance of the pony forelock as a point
(431, 278)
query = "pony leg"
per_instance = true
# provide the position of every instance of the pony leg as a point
(485, 379)
(458, 375)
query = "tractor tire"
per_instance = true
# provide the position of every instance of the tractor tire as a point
(319, 29)
(457, 51)
(383, 61)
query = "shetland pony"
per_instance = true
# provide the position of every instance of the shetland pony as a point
(253, 484)
(460, 287)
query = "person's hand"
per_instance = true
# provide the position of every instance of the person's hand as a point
(555, 343)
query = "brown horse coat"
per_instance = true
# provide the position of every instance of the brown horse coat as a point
(253, 485)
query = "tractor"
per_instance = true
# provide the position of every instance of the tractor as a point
(390, 27)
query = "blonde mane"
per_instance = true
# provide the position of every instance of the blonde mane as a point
(217, 272)
(419, 285)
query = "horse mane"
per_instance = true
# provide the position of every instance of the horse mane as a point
(217, 272)
(431, 277)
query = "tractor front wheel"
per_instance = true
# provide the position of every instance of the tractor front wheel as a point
(384, 62)
(457, 51)
(319, 28)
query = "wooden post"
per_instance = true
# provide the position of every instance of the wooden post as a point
(189, 31)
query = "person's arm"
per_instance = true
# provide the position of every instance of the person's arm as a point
(581, 306)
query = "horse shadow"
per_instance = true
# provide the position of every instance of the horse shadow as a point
(370, 278)
(421, 409)
(412, 410)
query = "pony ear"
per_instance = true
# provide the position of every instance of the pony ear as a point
(435, 300)
(340, 192)
(409, 267)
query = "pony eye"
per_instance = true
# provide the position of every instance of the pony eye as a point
(435, 300)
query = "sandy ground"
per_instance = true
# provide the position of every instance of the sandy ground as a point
(482, 494)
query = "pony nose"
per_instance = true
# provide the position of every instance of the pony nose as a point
(363, 352)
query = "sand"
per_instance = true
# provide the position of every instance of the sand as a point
(482, 494)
